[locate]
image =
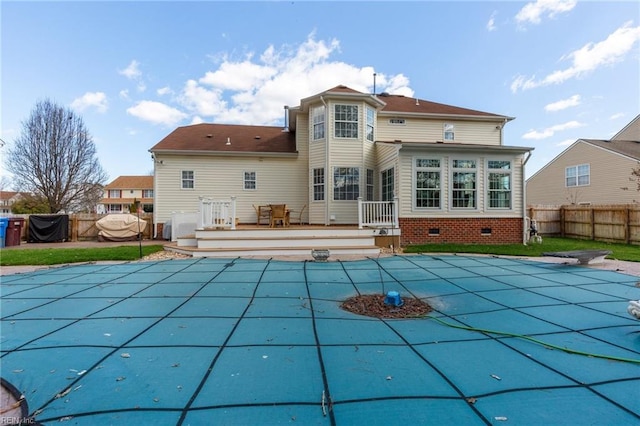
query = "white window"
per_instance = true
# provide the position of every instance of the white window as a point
(370, 124)
(577, 175)
(114, 193)
(318, 184)
(369, 184)
(388, 187)
(499, 185)
(147, 193)
(250, 181)
(448, 132)
(346, 183)
(318, 118)
(188, 179)
(428, 181)
(346, 121)
(463, 184)
(114, 208)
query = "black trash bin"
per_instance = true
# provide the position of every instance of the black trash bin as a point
(14, 231)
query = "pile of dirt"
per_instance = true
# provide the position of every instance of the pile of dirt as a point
(372, 305)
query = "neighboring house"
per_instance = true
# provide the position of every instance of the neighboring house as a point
(590, 171)
(7, 198)
(124, 191)
(447, 167)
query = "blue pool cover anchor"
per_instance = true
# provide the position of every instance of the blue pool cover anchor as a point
(393, 298)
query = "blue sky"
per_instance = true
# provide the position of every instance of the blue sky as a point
(134, 71)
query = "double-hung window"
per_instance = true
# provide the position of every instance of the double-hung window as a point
(250, 180)
(346, 183)
(369, 184)
(448, 132)
(499, 185)
(346, 121)
(147, 193)
(114, 193)
(388, 186)
(428, 181)
(318, 184)
(577, 175)
(318, 118)
(464, 184)
(188, 179)
(370, 124)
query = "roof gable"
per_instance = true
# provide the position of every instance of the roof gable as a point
(627, 148)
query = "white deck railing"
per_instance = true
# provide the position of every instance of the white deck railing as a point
(217, 213)
(378, 213)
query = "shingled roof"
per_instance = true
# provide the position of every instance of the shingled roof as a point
(131, 182)
(229, 138)
(628, 148)
(403, 105)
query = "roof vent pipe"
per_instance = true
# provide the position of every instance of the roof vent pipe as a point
(374, 83)
(286, 116)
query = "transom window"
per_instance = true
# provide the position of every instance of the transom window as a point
(448, 132)
(250, 181)
(463, 184)
(428, 175)
(388, 186)
(318, 184)
(318, 118)
(188, 180)
(370, 124)
(499, 186)
(577, 175)
(346, 121)
(346, 183)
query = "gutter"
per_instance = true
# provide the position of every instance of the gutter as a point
(524, 200)
(326, 161)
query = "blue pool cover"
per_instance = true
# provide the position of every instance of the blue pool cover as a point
(265, 342)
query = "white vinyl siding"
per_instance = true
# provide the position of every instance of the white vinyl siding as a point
(466, 132)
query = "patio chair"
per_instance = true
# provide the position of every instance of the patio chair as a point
(298, 215)
(279, 214)
(262, 212)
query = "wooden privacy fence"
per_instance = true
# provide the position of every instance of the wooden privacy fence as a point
(610, 223)
(82, 226)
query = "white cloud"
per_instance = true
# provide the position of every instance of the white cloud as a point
(550, 131)
(157, 112)
(587, 59)
(617, 116)
(97, 100)
(164, 91)
(563, 104)
(132, 71)
(124, 94)
(491, 24)
(533, 12)
(255, 88)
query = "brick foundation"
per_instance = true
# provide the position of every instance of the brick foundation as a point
(461, 231)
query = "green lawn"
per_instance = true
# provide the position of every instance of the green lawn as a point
(620, 251)
(57, 256)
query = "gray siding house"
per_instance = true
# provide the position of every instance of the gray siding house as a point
(590, 171)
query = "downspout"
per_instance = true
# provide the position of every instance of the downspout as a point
(524, 200)
(326, 161)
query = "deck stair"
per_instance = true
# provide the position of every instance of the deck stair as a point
(264, 241)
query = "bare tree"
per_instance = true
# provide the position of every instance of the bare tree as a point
(55, 157)
(635, 176)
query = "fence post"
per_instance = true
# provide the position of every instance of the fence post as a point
(592, 219)
(360, 213)
(562, 221)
